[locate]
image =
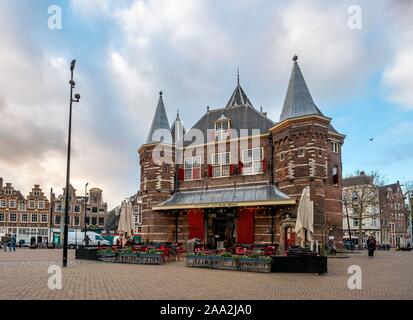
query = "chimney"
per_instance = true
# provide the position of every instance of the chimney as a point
(362, 173)
(1, 183)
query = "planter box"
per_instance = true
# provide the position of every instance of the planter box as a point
(255, 265)
(224, 263)
(86, 253)
(149, 258)
(107, 257)
(198, 261)
(127, 258)
(299, 264)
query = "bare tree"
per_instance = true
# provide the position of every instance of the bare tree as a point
(361, 196)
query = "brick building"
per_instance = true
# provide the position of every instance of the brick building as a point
(362, 207)
(240, 179)
(394, 215)
(96, 211)
(27, 217)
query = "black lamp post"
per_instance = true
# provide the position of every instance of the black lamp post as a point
(348, 224)
(66, 217)
(85, 211)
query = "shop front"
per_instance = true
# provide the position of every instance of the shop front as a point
(221, 218)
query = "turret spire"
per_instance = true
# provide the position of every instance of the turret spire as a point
(298, 101)
(160, 121)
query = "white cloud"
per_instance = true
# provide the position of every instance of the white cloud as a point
(398, 78)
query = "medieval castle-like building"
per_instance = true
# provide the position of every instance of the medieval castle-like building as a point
(233, 187)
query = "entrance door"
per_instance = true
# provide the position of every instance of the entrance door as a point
(289, 237)
(220, 229)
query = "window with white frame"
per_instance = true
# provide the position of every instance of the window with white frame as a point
(138, 214)
(334, 147)
(2, 217)
(12, 203)
(44, 218)
(192, 168)
(301, 152)
(3, 203)
(13, 217)
(282, 156)
(35, 218)
(221, 130)
(22, 206)
(24, 217)
(76, 221)
(32, 204)
(41, 204)
(77, 209)
(252, 160)
(221, 164)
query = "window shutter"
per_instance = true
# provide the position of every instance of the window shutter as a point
(209, 170)
(231, 169)
(264, 165)
(181, 174)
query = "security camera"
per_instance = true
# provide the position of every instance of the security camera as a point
(77, 96)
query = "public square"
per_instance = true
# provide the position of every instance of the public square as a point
(24, 276)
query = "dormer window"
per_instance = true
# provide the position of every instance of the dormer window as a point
(221, 128)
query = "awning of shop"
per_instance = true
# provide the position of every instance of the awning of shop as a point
(265, 195)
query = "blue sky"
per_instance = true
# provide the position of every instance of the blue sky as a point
(127, 51)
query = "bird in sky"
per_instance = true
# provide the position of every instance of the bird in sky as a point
(371, 139)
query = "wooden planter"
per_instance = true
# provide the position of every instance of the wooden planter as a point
(149, 258)
(198, 261)
(224, 263)
(255, 265)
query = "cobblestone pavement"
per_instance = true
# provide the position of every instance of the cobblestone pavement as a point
(23, 275)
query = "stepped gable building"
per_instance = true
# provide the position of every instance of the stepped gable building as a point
(241, 179)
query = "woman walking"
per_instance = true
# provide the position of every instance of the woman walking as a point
(371, 246)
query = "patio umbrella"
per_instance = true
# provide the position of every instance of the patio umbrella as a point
(305, 217)
(126, 226)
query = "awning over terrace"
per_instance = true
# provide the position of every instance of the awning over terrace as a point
(264, 195)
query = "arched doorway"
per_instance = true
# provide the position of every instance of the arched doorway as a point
(289, 237)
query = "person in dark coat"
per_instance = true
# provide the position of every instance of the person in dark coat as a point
(371, 246)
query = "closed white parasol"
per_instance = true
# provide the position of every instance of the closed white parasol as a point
(126, 226)
(304, 226)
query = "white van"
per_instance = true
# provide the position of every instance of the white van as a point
(78, 237)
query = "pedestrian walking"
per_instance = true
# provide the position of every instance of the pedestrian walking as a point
(13, 243)
(87, 240)
(371, 246)
(5, 242)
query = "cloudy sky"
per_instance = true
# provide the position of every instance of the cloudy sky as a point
(127, 51)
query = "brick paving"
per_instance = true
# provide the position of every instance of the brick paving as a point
(23, 275)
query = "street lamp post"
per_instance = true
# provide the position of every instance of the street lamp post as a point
(84, 222)
(409, 195)
(348, 225)
(66, 216)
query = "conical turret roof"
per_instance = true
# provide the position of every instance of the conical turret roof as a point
(298, 101)
(160, 121)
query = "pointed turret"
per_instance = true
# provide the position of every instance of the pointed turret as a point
(298, 101)
(238, 98)
(160, 121)
(177, 129)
